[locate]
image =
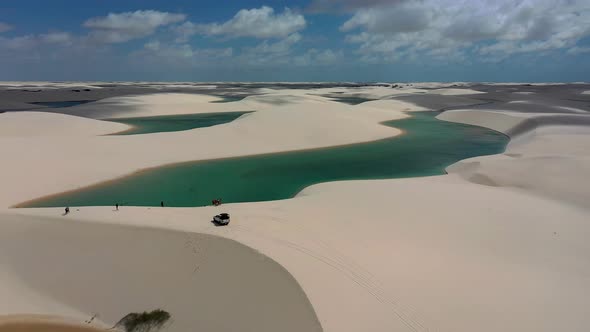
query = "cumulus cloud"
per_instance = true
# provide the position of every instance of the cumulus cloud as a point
(5, 27)
(260, 22)
(578, 50)
(439, 27)
(398, 19)
(28, 42)
(323, 6)
(18, 43)
(122, 27)
(313, 57)
(270, 53)
(278, 48)
(56, 38)
(266, 54)
(181, 54)
(45, 51)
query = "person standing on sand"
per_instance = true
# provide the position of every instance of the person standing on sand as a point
(67, 209)
(162, 203)
(117, 206)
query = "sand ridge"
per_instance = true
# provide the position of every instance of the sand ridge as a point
(44, 124)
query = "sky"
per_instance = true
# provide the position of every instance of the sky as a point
(290, 40)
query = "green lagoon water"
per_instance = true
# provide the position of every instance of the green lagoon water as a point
(158, 124)
(60, 104)
(428, 146)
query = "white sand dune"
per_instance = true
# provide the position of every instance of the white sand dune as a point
(514, 124)
(439, 85)
(548, 153)
(454, 92)
(370, 92)
(408, 255)
(498, 244)
(380, 92)
(525, 83)
(43, 124)
(161, 104)
(206, 283)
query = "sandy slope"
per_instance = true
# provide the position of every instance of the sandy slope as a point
(206, 283)
(454, 92)
(544, 157)
(406, 255)
(282, 122)
(379, 92)
(500, 244)
(513, 123)
(160, 104)
(43, 124)
(42, 323)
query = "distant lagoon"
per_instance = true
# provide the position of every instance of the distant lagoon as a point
(61, 104)
(167, 123)
(426, 148)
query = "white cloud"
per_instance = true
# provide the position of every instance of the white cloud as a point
(399, 19)
(286, 53)
(56, 38)
(327, 56)
(260, 22)
(277, 48)
(180, 54)
(270, 53)
(322, 6)
(122, 27)
(153, 45)
(18, 43)
(438, 27)
(578, 50)
(5, 27)
(48, 50)
(28, 42)
(266, 54)
(314, 57)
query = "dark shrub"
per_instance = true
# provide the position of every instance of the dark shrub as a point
(143, 322)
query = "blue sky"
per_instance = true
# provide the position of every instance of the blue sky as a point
(288, 40)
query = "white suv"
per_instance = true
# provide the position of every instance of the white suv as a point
(221, 219)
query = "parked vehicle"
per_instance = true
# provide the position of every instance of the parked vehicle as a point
(221, 219)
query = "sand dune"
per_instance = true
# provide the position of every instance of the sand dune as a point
(157, 104)
(206, 283)
(499, 244)
(406, 255)
(43, 124)
(514, 124)
(455, 92)
(548, 154)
